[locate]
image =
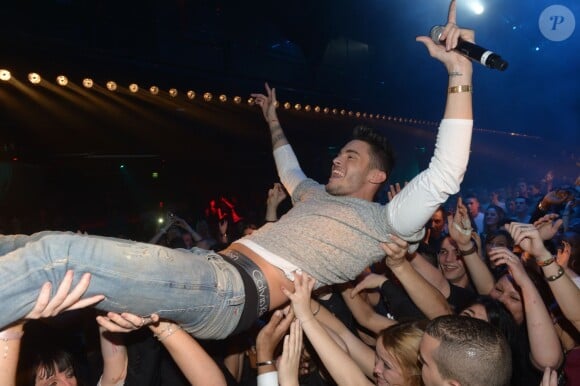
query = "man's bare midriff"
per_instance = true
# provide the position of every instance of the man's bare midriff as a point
(275, 277)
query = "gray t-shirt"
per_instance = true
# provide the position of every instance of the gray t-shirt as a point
(332, 238)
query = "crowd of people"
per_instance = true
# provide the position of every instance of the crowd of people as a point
(438, 286)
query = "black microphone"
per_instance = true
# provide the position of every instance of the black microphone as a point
(472, 51)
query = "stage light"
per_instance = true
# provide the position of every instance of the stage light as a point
(476, 7)
(207, 97)
(287, 105)
(317, 109)
(350, 113)
(343, 112)
(190, 94)
(307, 108)
(111, 86)
(154, 90)
(173, 92)
(251, 101)
(5, 75)
(237, 100)
(34, 78)
(223, 98)
(62, 80)
(277, 104)
(298, 106)
(133, 87)
(334, 111)
(326, 110)
(88, 82)
(357, 114)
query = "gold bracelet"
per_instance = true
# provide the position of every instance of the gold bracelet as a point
(462, 88)
(544, 263)
(558, 275)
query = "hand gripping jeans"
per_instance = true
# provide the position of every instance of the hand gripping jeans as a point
(197, 288)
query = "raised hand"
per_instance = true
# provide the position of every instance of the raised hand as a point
(451, 34)
(268, 103)
(459, 225)
(394, 190)
(528, 238)
(289, 363)
(300, 298)
(396, 251)
(64, 299)
(502, 255)
(370, 281)
(547, 226)
(272, 333)
(550, 377)
(276, 195)
(125, 322)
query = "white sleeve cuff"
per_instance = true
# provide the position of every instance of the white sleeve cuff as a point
(268, 379)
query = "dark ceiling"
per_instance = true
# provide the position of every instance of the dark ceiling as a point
(356, 55)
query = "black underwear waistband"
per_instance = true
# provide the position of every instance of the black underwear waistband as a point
(257, 301)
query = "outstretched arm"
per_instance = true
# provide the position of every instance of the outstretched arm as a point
(289, 170)
(64, 299)
(433, 186)
(425, 296)
(545, 349)
(460, 230)
(191, 358)
(563, 288)
(338, 363)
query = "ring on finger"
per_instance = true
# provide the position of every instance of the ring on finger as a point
(142, 322)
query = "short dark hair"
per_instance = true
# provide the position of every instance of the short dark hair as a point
(471, 351)
(48, 362)
(382, 155)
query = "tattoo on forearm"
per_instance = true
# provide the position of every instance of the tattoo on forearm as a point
(277, 138)
(455, 73)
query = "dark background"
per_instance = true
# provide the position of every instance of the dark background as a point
(63, 148)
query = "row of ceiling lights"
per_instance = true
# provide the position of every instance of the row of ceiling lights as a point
(62, 80)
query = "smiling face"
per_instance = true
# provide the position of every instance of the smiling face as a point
(352, 174)
(387, 370)
(451, 263)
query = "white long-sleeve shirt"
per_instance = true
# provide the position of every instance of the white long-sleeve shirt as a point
(334, 238)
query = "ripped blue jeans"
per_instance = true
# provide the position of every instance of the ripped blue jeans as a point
(197, 288)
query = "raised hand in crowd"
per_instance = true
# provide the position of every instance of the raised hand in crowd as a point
(338, 363)
(565, 291)
(46, 306)
(548, 225)
(64, 299)
(550, 377)
(289, 363)
(545, 346)
(369, 281)
(460, 230)
(196, 365)
(394, 190)
(276, 195)
(267, 341)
